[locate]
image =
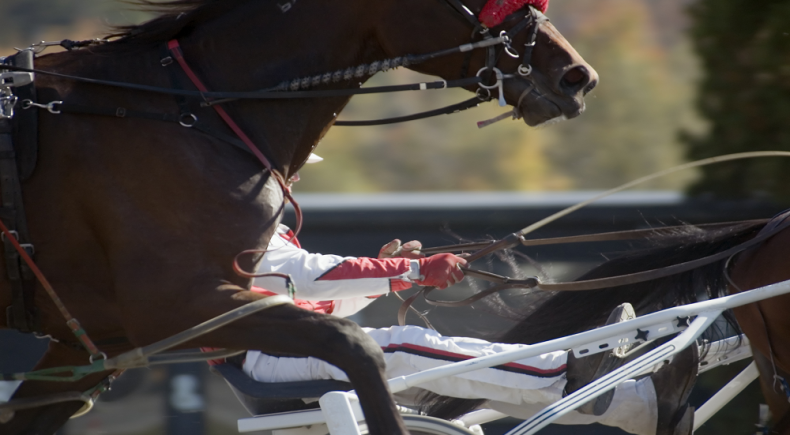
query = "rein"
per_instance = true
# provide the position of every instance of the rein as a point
(504, 282)
(291, 89)
(517, 238)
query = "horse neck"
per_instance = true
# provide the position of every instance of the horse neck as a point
(259, 45)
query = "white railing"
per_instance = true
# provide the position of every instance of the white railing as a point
(346, 407)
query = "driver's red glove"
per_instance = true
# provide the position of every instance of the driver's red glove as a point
(441, 270)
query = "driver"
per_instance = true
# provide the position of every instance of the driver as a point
(342, 286)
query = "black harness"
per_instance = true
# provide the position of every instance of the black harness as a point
(18, 153)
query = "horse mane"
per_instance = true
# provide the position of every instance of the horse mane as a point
(176, 18)
(550, 315)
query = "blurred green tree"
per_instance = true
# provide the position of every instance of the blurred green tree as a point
(644, 97)
(745, 95)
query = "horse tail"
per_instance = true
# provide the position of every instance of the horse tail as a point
(551, 315)
(566, 313)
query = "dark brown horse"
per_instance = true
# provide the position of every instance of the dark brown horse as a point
(550, 315)
(767, 323)
(136, 222)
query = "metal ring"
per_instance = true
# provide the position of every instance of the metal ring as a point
(51, 107)
(506, 40)
(26, 104)
(483, 97)
(187, 120)
(524, 70)
(101, 354)
(498, 75)
(14, 233)
(28, 247)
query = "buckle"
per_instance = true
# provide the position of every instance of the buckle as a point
(15, 78)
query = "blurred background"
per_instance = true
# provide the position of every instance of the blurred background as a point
(680, 80)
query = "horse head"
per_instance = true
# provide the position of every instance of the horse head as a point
(548, 78)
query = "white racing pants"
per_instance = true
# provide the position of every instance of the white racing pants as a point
(520, 388)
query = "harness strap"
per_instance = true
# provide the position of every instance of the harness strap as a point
(468, 15)
(122, 112)
(447, 110)
(592, 284)
(72, 323)
(598, 237)
(21, 314)
(175, 49)
(25, 122)
(17, 161)
(265, 94)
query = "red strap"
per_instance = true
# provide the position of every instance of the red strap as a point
(175, 49)
(72, 323)
(179, 56)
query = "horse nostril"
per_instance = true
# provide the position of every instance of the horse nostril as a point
(590, 87)
(576, 79)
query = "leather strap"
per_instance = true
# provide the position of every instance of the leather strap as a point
(21, 313)
(25, 121)
(447, 110)
(666, 232)
(776, 225)
(265, 94)
(175, 50)
(459, 7)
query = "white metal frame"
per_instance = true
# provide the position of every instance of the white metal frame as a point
(341, 410)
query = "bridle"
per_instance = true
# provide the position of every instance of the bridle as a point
(531, 23)
(304, 87)
(532, 19)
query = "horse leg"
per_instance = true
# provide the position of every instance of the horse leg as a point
(772, 391)
(46, 420)
(288, 330)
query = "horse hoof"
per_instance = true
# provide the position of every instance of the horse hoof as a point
(673, 384)
(685, 424)
(6, 415)
(582, 371)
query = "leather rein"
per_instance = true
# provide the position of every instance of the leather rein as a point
(296, 88)
(503, 282)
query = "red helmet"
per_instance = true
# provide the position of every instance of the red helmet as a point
(495, 11)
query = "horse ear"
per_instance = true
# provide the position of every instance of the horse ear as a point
(495, 11)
